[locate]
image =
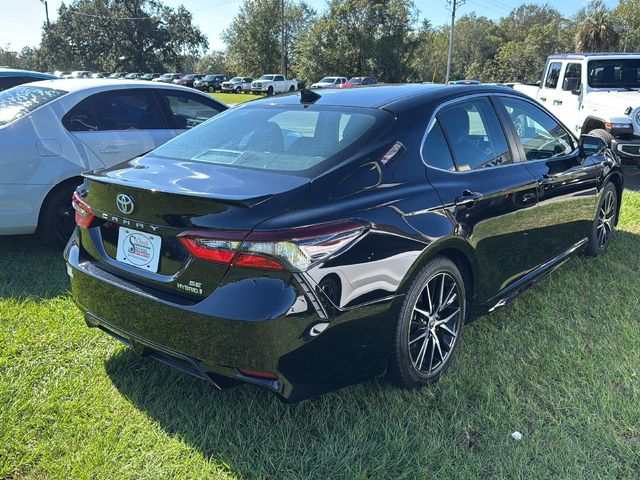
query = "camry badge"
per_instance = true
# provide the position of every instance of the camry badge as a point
(124, 203)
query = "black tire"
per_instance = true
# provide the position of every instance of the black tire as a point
(238, 90)
(211, 89)
(603, 134)
(604, 223)
(292, 88)
(270, 91)
(418, 324)
(57, 218)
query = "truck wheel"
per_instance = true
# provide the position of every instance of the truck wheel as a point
(603, 134)
(238, 90)
(270, 91)
(291, 88)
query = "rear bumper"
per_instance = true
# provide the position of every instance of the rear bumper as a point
(212, 341)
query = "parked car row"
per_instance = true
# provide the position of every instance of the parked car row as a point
(342, 82)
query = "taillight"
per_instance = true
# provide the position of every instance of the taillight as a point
(84, 212)
(295, 249)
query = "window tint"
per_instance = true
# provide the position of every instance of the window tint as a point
(188, 110)
(475, 135)
(573, 70)
(541, 136)
(552, 75)
(282, 139)
(9, 82)
(278, 78)
(19, 101)
(614, 73)
(127, 110)
(435, 150)
(81, 118)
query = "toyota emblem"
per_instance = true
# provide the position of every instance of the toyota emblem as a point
(124, 203)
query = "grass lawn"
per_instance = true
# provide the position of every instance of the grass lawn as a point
(234, 98)
(561, 364)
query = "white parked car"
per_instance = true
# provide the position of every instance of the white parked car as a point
(52, 131)
(273, 83)
(330, 82)
(594, 93)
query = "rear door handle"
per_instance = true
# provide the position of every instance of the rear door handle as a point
(557, 102)
(543, 99)
(467, 198)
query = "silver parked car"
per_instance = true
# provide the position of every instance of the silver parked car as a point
(237, 85)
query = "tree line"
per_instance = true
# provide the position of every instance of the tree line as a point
(385, 38)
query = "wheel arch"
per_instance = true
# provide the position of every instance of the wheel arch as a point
(590, 123)
(459, 252)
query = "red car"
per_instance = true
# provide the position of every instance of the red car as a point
(360, 81)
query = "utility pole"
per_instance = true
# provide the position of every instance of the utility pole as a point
(282, 65)
(46, 11)
(453, 4)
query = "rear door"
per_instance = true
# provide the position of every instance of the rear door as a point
(119, 125)
(566, 181)
(549, 86)
(490, 196)
(566, 104)
(185, 110)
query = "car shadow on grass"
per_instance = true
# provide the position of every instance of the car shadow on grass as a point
(252, 434)
(30, 268)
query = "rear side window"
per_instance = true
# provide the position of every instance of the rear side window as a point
(541, 136)
(127, 110)
(435, 150)
(81, 118)
(475, 135)
(552, 75)
(292, 139)
(188, 110)
(19, 101)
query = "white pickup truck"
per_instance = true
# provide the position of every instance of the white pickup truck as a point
(595, 93)
(273, 83)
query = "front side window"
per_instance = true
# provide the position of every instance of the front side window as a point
(293, 139)
(18, 101)
(127, 110)
(552, 75)
(279, 78)
(541, 136)
(573, 71)
(614, 73)
(188, 110)
(435, 150)
(475, 135)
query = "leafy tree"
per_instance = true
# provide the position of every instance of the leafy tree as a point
(214, 62)
(361, 37)
(254, 38)
(597, 32)
(143, 35)
(627, 20)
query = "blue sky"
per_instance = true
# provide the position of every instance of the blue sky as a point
(21, 20)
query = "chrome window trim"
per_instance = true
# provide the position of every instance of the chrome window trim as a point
(453, 101)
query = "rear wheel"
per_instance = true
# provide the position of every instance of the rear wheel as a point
(238, 90)
(291, 88)
(57, 218)
(604, 223)
(430, 325)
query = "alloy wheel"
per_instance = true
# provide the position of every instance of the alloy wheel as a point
(65, 221)
(435, 324)
(606, 216)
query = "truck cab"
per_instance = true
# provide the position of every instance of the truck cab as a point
(597, 94)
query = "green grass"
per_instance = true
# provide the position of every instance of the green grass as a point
(234, 98)
(561, 364)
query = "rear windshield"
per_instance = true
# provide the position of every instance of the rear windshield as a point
(286, 139)
(18, 101)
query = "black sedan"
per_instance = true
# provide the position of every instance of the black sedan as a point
(311, 241)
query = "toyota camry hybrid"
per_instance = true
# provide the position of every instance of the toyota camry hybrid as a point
(310, 241)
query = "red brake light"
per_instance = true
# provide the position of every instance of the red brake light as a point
(84, 212)
(295, 249)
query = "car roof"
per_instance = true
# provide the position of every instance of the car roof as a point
(380, 96)
(98, 84)
(12, 72)
(579, 56)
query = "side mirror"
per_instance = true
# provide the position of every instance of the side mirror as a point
(571, 84)
(591, 146)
